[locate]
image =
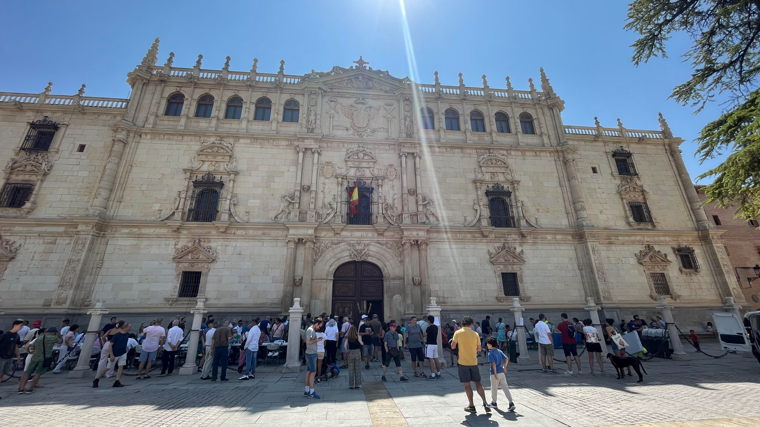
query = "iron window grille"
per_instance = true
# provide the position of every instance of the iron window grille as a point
(509, 284)
(502, 123)
(500, 206)
(477, 122)
(174, 106)
(624, 162)
(205, 199)
(640, 211)
(427, 118)
(660, 282)
(234, 108)
(263, 109)
(40, 135)
(15, 195)
(190, 284)
(291, 112)
(452, 120)
(526, 124)
(363, 215)
(687, 257)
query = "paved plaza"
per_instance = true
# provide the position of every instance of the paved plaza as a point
(702, 392)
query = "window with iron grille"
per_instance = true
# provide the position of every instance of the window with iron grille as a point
(190, 284)
(624, 162)
(500, 206)
(640, 212)
(15, 195)
(40, 135)
(687, 257)
(660, 282)
(205, 200)
(509, 283)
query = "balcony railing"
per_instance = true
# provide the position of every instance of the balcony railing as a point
(85, 101)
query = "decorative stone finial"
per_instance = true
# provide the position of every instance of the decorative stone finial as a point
(49, 87)
(198, 62)
(596, 122)
(620, 124)
(485, 82)
(282, 66)
(80, 92)
(361, 63)
(169, 60)
(509, 84)
(226, 64)
(546, 87)
(664, 127)
(255, 65)
(436, 78)
(152, 56)
(461, 80)
(532, 86)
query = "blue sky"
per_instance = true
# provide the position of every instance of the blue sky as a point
(581, 45)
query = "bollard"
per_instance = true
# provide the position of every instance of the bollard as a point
(292, 364)
(524, 358)
(593, 312)
(189, 368)
(675, 339)
(83, 363)
(435, 310)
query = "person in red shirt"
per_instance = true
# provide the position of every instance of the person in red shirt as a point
(694, 339)
(569, 344)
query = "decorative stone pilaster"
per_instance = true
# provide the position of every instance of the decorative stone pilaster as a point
(295, 212)
(408, 279)
(675, 339)
(404, 191)
(435, 310)
(189, 368)
(424, 273)
(688, 186)
(593, 312)
(287, 286)
(83, 363)
(576, 195)
(292, 364)
(522, 344)
(105, 187)
(308, 267)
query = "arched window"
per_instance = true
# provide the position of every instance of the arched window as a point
(477, 124)
(234, 108)
(174, 106)
(291, 112)
(263, 109)
(526, 124)
(500, 206)
(205, 105)
(427, 118)
(204, 204)
(452, 119)
(502, 123)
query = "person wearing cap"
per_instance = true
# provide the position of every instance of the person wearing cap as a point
(42, 350)
(365, 331)
(32, 334)
(390, 342)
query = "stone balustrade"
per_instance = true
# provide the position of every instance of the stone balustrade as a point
(613, 132)
(85, 101)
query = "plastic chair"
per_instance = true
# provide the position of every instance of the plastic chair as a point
(273, 352)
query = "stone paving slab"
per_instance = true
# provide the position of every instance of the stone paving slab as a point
(702, 392)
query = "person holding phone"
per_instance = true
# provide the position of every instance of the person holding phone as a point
(311, 358)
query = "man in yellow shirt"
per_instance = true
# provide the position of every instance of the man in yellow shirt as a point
(468, 343)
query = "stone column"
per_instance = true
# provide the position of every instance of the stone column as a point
(308, 265)
(522, 344)
(424, 274)
(675, 339)
(189, 368)
(435, 310)
(579, 205)
(311, 215)
(404, 190)
(297, 192)
(408, 284)
(287, 286)
(83, 363)
(292, 364)
(688, 186)
(593, 311)
(107, 180)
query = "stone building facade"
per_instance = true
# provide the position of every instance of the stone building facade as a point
(741, 239)
(237, 187)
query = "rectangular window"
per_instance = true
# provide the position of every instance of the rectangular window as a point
(594, 169)
(80, 148)
(189, 284)
(660, 282)
(38, 139)
(624, 162)
(15, 195)
(640, 212)
(509, 283)
(716, 220)
(686, 262)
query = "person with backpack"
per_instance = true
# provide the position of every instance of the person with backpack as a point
(42, 359)
(569, 343)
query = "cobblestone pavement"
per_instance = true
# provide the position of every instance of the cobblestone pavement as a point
(715, 392)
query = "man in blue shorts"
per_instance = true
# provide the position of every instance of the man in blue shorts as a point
(311, 358)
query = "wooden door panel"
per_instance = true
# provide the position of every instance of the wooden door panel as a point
(372, 289)
(342, 289)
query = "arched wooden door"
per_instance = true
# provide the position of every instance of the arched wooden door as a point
(357, 286)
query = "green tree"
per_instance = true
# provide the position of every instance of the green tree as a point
(725, 55)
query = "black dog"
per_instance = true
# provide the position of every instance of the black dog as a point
(621, 362)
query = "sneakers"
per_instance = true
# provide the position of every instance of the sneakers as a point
(319, 380)
(580, 372)
(117, 383)
(470, 409)
(487, 408)
(244, 378)
(416, 375)
(544, 370)
(366, 366)
(306, 394)
(383, 378)
(494, 405)
(95, 383)
(568, 372)
(432, 377)
(225, 379)
(404, 379)
(314, 396)
(511, 407)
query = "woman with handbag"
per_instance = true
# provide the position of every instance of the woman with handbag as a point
(616, 341)
(42, 359)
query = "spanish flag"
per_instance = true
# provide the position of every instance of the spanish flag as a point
(353, 197)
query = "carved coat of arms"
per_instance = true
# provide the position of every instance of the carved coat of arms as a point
(360, 114)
